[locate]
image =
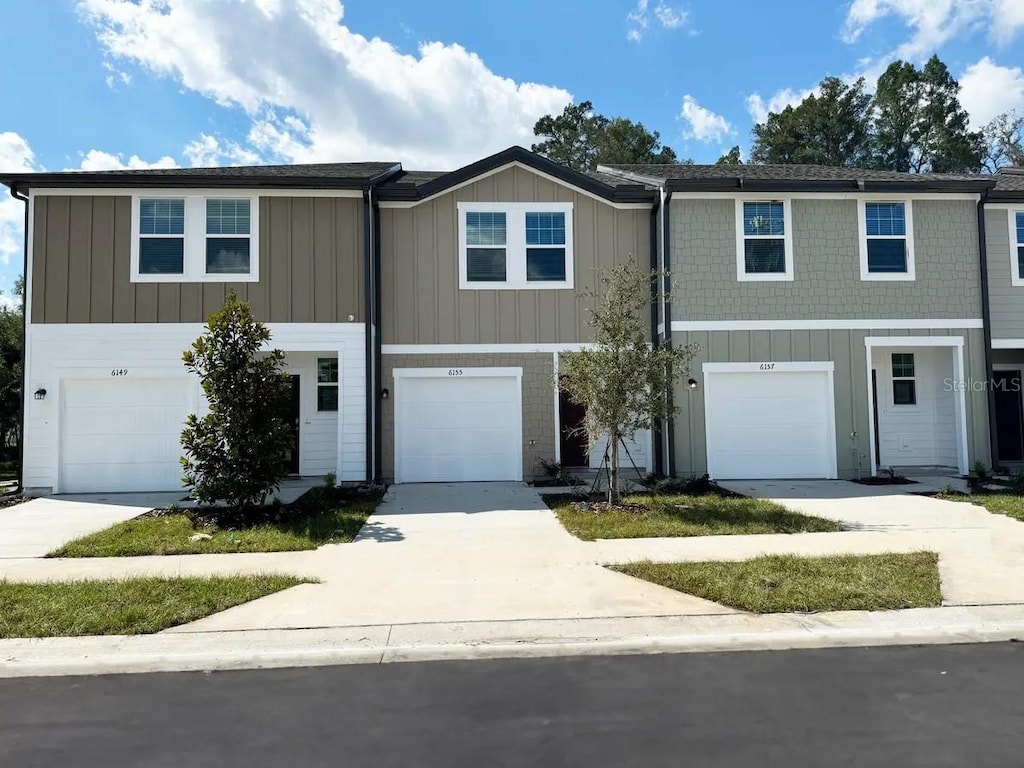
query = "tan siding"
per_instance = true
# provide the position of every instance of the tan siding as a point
(422, 303)
(311, 265)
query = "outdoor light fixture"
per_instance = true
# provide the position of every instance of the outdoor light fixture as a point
(384, 394)
(692, 383)
(40, 393)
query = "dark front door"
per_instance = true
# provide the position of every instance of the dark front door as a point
(874, 416)
(571, 416)
(293, 420)
(1009, 433)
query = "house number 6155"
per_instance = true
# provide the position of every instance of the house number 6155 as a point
(119, 372)
(454, 371)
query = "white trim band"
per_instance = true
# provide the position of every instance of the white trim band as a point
(1007, 343)
(479, 349)
(823, 325)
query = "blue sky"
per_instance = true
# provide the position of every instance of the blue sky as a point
(114, 83)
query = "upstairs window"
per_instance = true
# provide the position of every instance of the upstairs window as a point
(194, 238)
(904, 383)
(764, 250)
(887, 251)
(326, 384)
(505, 246)
(1017, 247)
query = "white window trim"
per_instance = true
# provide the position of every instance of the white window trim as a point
(515, 246)
(194, 265)
(1015, 278)
(862, 234)
(741, 264)
(893, 378)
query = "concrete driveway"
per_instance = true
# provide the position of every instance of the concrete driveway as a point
(38, 526)
(458, 552)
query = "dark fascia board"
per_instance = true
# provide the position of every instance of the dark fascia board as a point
(1005, 196)
(84, 180)
(780, 185)
(631, 193)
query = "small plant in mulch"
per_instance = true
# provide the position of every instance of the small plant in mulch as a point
(885, 476)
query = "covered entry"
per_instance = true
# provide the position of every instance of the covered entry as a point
(770, 420)
(458, 424)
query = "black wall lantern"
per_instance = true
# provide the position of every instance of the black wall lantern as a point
(40, 394)
(692, 384)
(385, 394)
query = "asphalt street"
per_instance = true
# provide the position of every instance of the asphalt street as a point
(903, 707)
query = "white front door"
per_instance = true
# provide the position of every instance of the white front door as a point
(458, 424)
(773, 423)
(123, 434)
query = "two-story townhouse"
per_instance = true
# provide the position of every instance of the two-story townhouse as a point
(124, 267)
(481, 275)
(422, 314)
(1004, 247)
(839, 314)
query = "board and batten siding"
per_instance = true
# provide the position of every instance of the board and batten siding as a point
(311, 265)
(826, 265)
(420, 267)
(1006, 300)
(847, 350)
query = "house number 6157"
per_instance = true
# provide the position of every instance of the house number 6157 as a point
(454, 371)
(119, 372)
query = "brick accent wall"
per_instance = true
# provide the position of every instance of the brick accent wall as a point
(538, 400)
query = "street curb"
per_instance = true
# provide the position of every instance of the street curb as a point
(36, 659)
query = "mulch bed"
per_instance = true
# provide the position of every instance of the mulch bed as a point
(884, 481)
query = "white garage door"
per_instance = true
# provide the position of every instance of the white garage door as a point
(772, 423)
(458, 424)
(123, 434)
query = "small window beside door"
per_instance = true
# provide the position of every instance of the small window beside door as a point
(904, 383)
(327, 384)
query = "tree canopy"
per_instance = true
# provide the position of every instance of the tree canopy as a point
(582, 139)
(914, 122)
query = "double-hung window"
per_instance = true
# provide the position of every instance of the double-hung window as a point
(904, 383)
(763, 240)
(194, 238)
(326, 384)
(520, 246)
(887, 245)
(1017, 247)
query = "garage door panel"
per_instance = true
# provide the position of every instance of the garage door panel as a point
(123, 434)
(770, 425)
(450, 429)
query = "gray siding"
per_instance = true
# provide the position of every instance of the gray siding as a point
(826, 257)
(538, 401)
(846, 349)
(422, 302)
(1006, 301)
(311, 265)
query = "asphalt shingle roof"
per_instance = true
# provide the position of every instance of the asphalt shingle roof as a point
(1010, 180)
(792, 172)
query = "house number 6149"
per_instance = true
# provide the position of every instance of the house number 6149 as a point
(119, 372)
(454, 371)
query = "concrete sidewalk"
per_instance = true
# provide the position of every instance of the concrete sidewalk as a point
(376, 644)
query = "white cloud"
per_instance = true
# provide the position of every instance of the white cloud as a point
(16, 156)
(98, 160)
(353, 98)
(209, 151)
(932, 23)
(638, 20)
(703, 124)
(988, 89)
(759, 108)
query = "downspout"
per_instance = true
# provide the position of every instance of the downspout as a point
(368, 281)
(378, 427)
(655, 340)
(24, 337)
(666, 261)
(986, 323)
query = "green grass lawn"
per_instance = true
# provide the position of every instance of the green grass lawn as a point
(706, 515)
(316, 522)
(785, 583)
(999, 504)
(130, 607)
